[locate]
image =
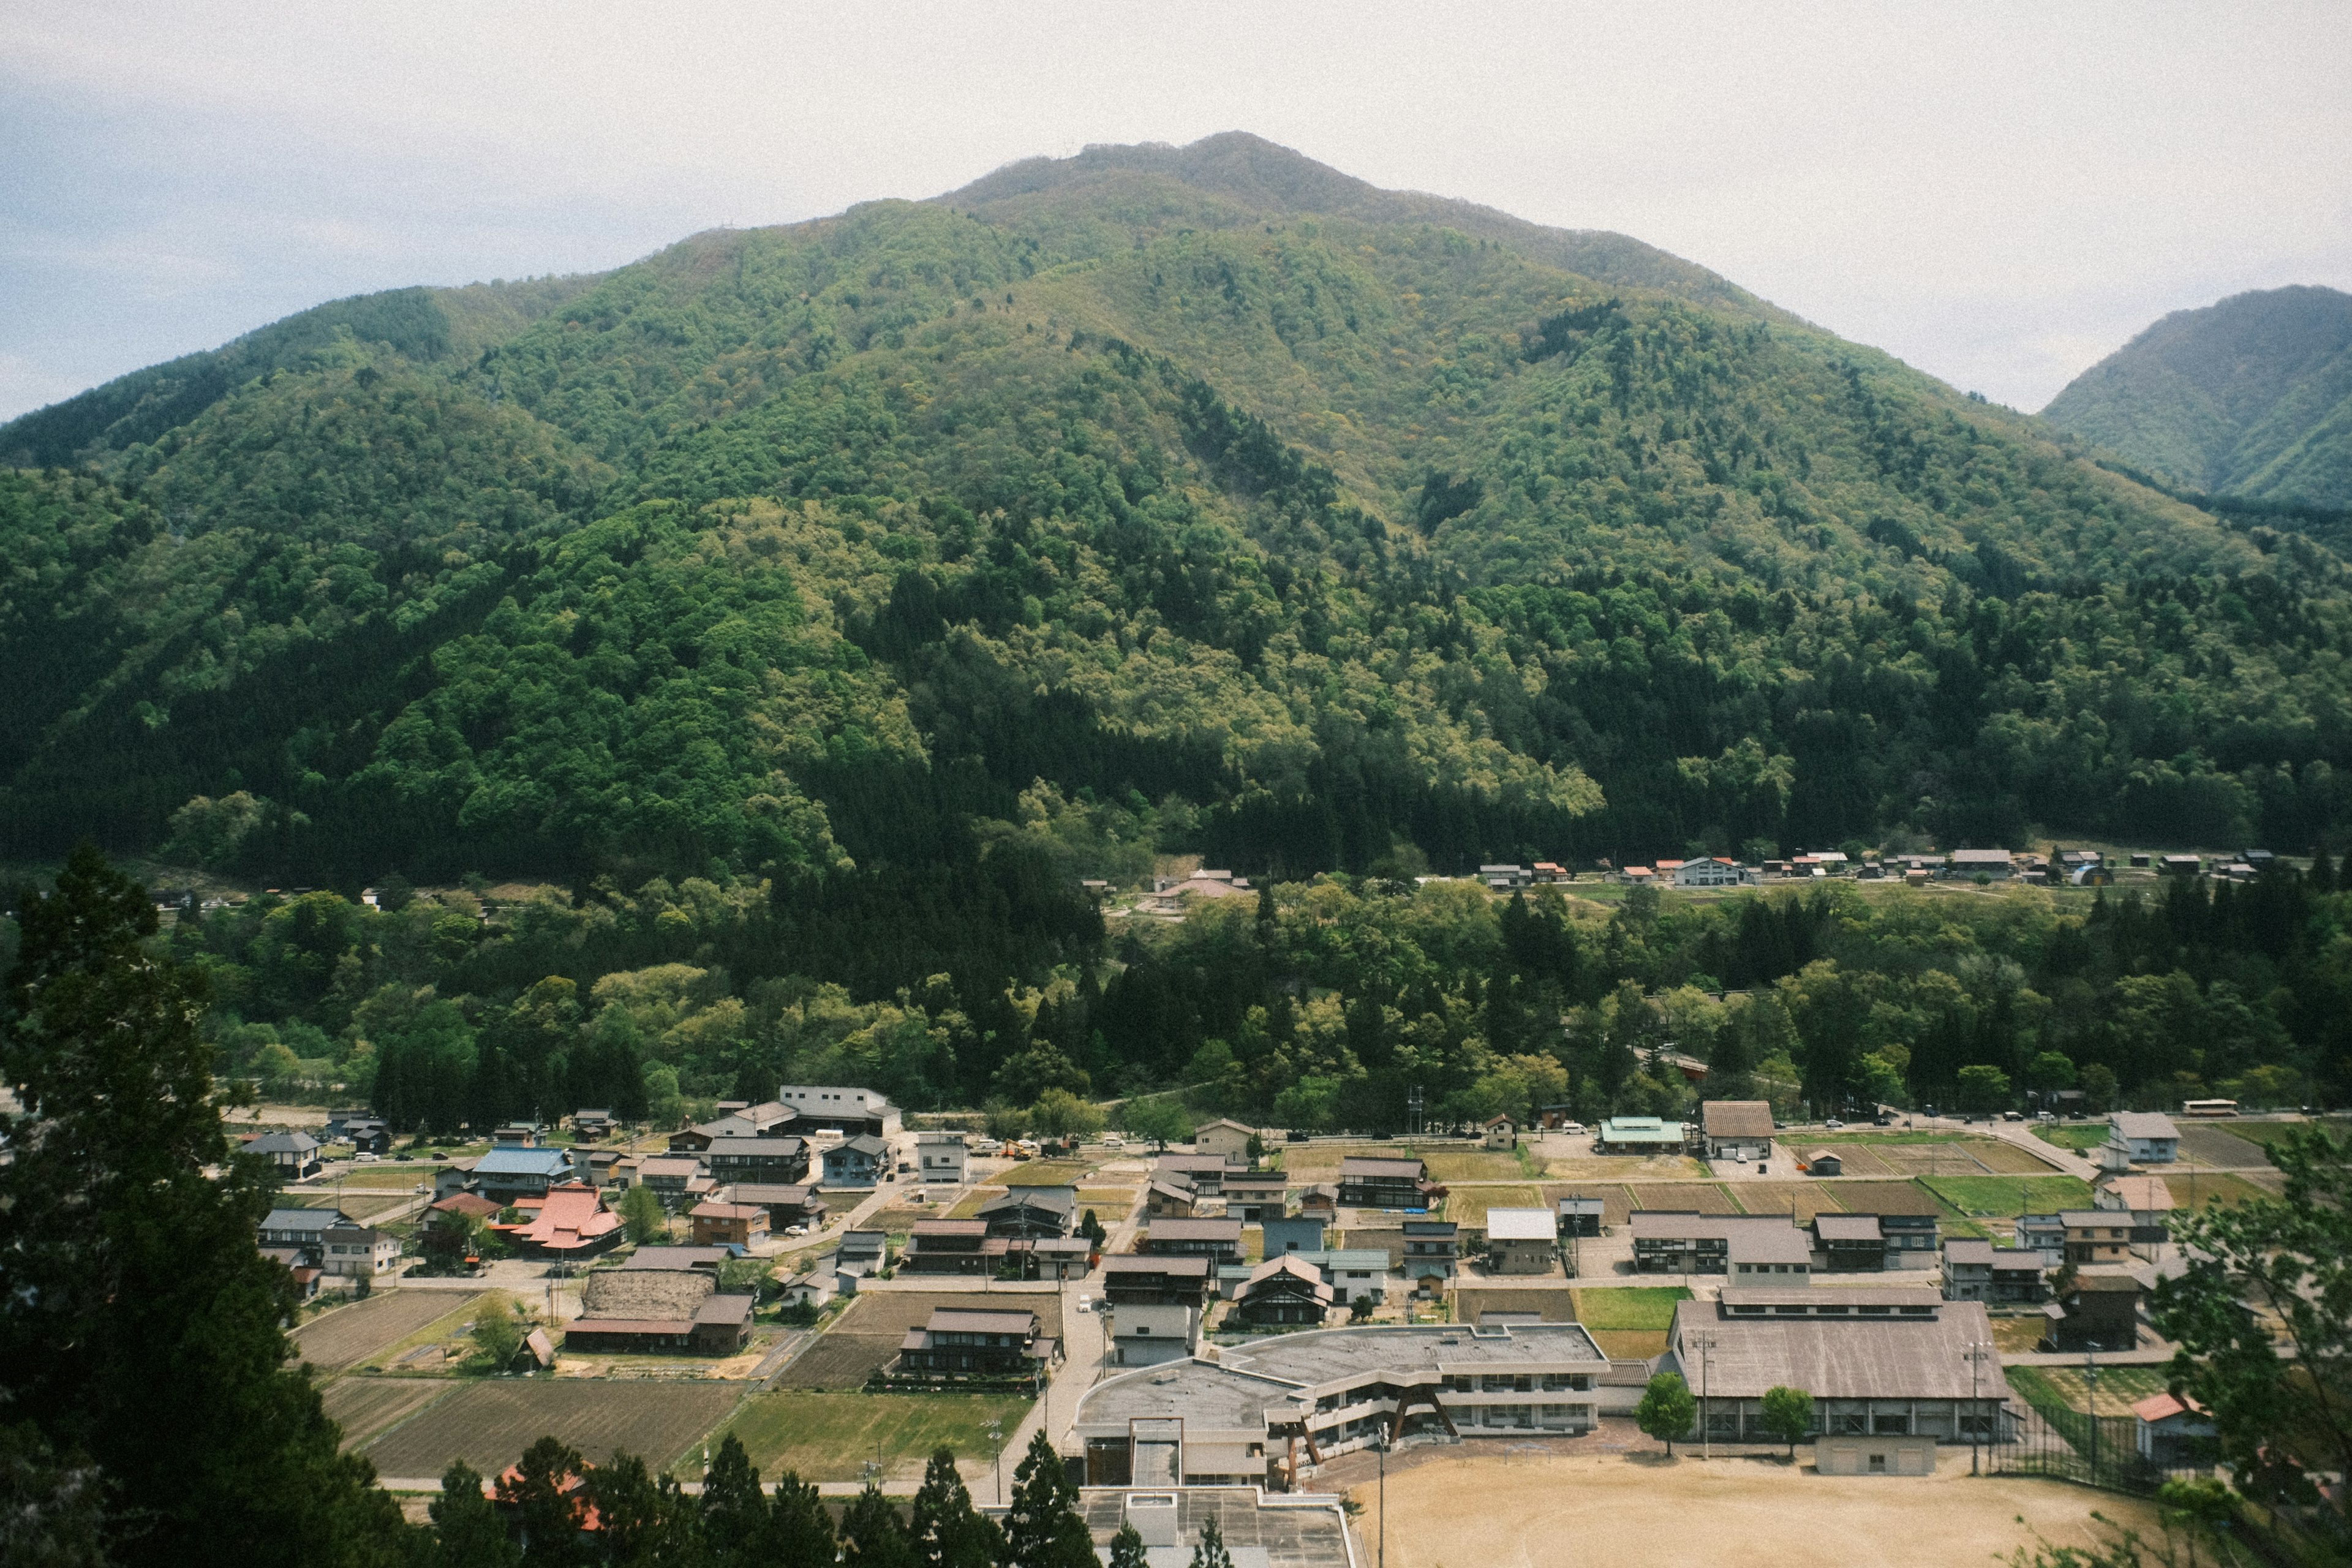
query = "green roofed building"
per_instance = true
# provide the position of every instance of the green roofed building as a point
(1641, 1135)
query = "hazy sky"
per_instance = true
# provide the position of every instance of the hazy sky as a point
(1999, 195)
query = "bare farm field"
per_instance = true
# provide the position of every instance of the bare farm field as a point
(363, 1406)
(2210, 1146)
(1706, 1198)
(1801, 1199)
(1554, 1510)
(1616, 1200)
(352, 1333)
(489, 1424)
(867, 1337)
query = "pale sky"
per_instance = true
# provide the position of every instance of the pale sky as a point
(1999, 195)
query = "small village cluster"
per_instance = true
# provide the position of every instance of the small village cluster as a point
(1236, 1304)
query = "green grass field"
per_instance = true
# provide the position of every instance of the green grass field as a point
(2004, 1195)
(832, 1436)
(1852, 1135)
(2075, 1135)
(2269, 1132)
(1630, 1308)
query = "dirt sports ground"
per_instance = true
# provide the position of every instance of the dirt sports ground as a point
(1567, 1511)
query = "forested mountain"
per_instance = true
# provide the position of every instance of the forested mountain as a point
(820, 602)
(2250, 397)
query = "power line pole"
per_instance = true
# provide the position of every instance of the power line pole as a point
(1977, 1353)
(1705, 1344)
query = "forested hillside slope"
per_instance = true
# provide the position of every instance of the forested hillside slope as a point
(819, 604)
(2250, 397)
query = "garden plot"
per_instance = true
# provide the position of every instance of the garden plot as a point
(1468, 1205)
(833, 1436)
(1616, 1200)
(489, 1424)
(2005, 1196)
(2210, 1145)
(1859, 1160)
(1803, 1200)
(1706, 1198)
(338, 1339)
(867, 1337)
(363, 1406)
(1889, 1197)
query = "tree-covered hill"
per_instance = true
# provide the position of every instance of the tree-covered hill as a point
(1197, 499)
(2250, 397)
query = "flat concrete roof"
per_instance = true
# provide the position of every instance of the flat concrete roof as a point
(1522, 1225)
(1845, 1358)
(1304, 1531)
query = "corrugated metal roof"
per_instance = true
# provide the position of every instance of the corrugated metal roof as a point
(1522, 1225)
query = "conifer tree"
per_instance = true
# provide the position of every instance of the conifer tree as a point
(142, 1327)
(800, 1529)
(1126, 1547)
(872, 1535)
(548, 1506)
(1211, 1552)
(1042, 1529)
(947, 1531)
(737, 1531)
(467, 1530)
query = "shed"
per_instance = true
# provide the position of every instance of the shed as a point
(1824, 1163)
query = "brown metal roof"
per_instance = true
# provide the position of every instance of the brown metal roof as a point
(1360, 1166)
(1737, 1118)
(961, 1320)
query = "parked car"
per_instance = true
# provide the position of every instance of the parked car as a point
(1833, 1124)
(2012, 1116)
(1882, 1121)
(1113, 1141)
(1296, 1136)
(365, 1158)
(986, 1146)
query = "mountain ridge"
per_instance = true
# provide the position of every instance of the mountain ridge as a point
(1091, 521)
(2250, 397)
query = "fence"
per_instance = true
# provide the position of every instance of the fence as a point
(2050, 1438)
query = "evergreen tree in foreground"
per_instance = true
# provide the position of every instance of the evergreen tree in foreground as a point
(804, 1531)
(948, 1531)
(140, 1328)
(737, 1531)
(467, 1531)
(1042, 1528)
(872, 1535)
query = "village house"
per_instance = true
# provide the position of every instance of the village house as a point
(2093, 1310)
(1032, 1213)
(2096, 1235)
(1170, 1197)
(599, 1167)
(353, 1251)
(953, 1247)
(856, 1163)
(1641, 1135)
(1769, 1255)
(1522, 1241)
(367, 1135)
(1504, 878)
(958, 1343)
(1850, 1243)
(1351, 1271)
(1980, 1271)
(854, 1112)
(303, 1230)
(788, 1204)
(2146, 1200)
(1255, 1196)
(678, 1180)
(1372, 1184)
(1879, 1361)
(1995, 864)
(512, 1172)
(1302, 1234)
(2044, 1234)
(591, 1123)
(1145, 1278)
(294, 1155)
(718, 1223)
(1228, 1141)
(2144, 1137)
(777, 1162)
(1206, 1172)
(1684, 1241)
(1217, 1239)
(1431, 1248)
(637, 1310)
(1282, 1292)
(570, 1221)
(1498, 1132)
(940, 1157)
(1319, 1200)
(1715, 871)
(862, 1252)
(2175, 1433)
(1152, 1334)
(1738, 1129)
(768, 1119)
(519, 1136)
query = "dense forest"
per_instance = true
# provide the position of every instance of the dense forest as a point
(817, 604)
(1317, 1004)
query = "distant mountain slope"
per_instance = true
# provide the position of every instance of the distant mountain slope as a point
(2250, 397)
(1157, 500)
(424, 325)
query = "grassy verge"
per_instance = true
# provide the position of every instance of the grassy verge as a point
(2002, 1196)
(1630, 1308)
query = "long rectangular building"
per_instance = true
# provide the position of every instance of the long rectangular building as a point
(1262, 1410)
(1879, 1360)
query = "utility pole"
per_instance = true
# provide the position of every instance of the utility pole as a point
(2091, 1380)
(1977, 1353)
(1383, 1447)
(1705, 1344)
(996, 1438)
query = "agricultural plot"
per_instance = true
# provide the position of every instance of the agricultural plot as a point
(2008, 1158)
(2268, 1132)
(1107, 1199)
(1889, 1197)
(2079, 1136)
(1472, 1165)
(2210, 1146)
(1953, 1159)
(1706, 1198)
(1468, 1205)
(1625, 1168)
(489, 1424)
(970, 1204)
(1858, 1159)
(351, 1334)
(866, 1336)
(2209, 1188)
(1553, 1306)
(832, 1436)
(2003, 1196)
(1801, 1200)
(363, 1406)
(1633, 1327)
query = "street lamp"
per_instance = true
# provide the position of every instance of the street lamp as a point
(996, 1437)
(1380, 1445)
(1977, 1353)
